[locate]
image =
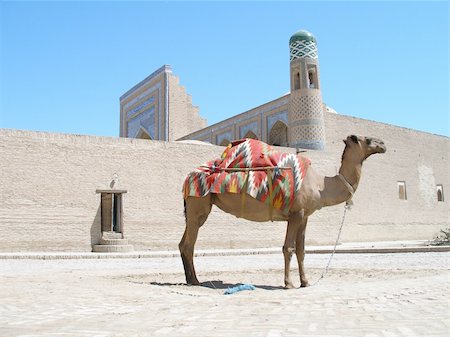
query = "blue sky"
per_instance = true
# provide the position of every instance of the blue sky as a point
(64, 65)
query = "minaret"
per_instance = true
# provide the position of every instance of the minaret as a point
(305, 113)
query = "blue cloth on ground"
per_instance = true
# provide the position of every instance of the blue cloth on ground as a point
(240, 287)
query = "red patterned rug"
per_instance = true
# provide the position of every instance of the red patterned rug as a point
(253, 167)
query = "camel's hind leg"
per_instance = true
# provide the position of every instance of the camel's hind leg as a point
(289, 246)
(196, 212)
(300, 251)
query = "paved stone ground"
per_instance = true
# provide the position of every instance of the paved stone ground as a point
(385, 295)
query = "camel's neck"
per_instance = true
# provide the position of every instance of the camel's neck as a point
(351, 170)
(340, 189)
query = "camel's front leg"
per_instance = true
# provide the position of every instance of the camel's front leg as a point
(289, 246)
(300, 251)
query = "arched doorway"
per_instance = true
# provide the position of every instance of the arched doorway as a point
(278, 135)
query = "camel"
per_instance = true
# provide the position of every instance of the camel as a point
(316, 191)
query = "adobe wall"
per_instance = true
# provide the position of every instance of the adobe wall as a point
(418, 158)
(184, 117)
(48, 183)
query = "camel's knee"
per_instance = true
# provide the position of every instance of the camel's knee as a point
(181, 244)
(181, 247)
(288, 251)
(185, 248)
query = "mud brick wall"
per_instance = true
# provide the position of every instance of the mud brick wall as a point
(48, 199)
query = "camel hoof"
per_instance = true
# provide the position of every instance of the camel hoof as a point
(289, 286)
(193, 283)
(304, 284)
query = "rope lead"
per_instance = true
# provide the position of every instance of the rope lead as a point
(347, 206)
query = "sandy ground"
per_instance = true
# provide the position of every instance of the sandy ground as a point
(388, 295)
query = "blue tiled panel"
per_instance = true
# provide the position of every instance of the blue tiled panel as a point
(146, 119)
(253, 126)
(272, 119)
(226, 135)
(141, 106)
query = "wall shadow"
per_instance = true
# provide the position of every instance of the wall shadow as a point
(96, 228)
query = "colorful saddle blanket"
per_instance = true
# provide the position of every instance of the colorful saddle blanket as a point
(253, 167)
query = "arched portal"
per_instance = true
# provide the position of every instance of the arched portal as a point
(278, 135)
(143, 134)
(224, 142)
(250, 134)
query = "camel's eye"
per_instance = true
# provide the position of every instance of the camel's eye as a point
(368, 141)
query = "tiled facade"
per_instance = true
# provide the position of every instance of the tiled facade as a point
(258, 121)
(144, 109)
(294, 120)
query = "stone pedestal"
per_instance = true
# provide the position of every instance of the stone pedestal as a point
(112, 242)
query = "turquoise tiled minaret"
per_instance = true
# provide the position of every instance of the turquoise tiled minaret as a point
(305, 112)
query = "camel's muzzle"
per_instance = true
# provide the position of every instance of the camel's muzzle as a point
(380, 147)
(375, 145)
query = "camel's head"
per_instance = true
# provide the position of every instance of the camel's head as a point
(364, 146)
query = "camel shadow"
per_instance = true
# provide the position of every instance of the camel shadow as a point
(217, 284)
